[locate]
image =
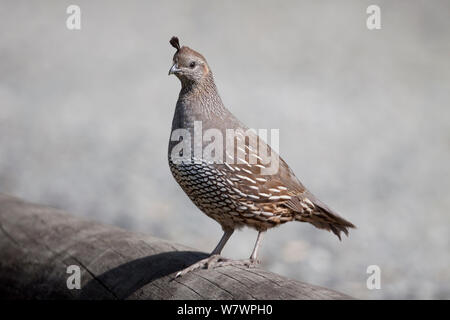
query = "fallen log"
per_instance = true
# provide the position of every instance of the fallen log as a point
(38, 244)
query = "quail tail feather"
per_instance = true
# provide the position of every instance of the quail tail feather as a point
(320, 215)
(327, 220)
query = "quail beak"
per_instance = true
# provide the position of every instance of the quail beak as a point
(174, 69)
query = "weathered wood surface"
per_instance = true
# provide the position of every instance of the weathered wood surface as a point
(37, 243)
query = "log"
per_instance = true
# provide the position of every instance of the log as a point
(38, 243)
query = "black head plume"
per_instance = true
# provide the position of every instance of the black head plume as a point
(175, 43)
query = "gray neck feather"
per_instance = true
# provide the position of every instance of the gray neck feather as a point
(200, 100)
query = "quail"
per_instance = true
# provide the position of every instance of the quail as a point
(239, 190)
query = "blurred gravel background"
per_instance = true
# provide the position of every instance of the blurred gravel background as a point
(364, 116)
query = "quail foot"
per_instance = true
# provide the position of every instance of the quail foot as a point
(238, 187)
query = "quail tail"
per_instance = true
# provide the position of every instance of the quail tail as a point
(322, 217)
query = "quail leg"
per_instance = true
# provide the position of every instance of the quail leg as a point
(213, 260)
(250, 262)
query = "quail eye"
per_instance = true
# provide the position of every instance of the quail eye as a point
(192, 65)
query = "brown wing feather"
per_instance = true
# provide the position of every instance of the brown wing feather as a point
(283, 194)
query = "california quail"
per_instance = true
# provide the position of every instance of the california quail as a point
(236, 191)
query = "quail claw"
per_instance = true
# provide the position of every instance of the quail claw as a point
(211, 262)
